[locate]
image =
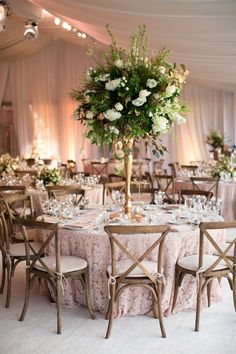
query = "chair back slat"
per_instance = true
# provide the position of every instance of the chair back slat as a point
(114, 231)
(36, 255)
(222, 254)
(209, 184)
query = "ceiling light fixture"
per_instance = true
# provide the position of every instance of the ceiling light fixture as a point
(57, 21)
(31, 30)
(5, 12)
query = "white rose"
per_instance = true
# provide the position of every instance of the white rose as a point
(114, 130)
(144, 93)
(119, 63)
(162, 69)
(120, 154)
(151, 83)
(112, 85)
(112, 114)
(104, 77)
(119, 145)
(178, 118)
(89, 115)
(87, 99)
(118, 106)
(160, 125)
(170, 90)
(139, 101)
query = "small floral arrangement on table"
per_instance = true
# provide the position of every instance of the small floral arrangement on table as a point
(48, 175)
(223, 164)
(8, 164)
(131, 95)
(215, 139)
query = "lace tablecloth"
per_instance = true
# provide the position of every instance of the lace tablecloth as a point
(226, 192)
(93, 245)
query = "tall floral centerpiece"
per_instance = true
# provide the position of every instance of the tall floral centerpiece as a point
(128, 96)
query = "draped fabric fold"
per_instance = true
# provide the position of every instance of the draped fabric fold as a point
(4, 70)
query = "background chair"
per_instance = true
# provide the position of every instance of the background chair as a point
(166, 184)
(189, 169)
(61, 191)
(136, 271)
(52, 268)
(12, 255)
(110, 187)
(209, 184)
(206, 267)
(183, 193)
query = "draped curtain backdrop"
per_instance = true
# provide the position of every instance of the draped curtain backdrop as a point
(42, 109)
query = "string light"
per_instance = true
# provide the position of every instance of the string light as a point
(68, 27)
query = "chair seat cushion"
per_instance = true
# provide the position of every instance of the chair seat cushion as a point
(18, 249)
(191, 262)
(230, 234)
(30, 232)
(68, 263)
(122, 266)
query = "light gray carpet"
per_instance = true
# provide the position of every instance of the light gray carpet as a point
(130, 335)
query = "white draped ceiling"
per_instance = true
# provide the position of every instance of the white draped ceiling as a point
(200, 34)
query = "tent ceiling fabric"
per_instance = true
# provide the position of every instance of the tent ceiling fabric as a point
(200, 34)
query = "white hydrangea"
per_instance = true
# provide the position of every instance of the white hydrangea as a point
(89, 115)
(112, 85)
(112, 114)
(151, 83)
(114, 130)
(178, 118)
(160, 125)
(118, 106)
(119, 63)
(144, 93)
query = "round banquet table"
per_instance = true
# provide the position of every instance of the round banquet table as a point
(226, 192)
(93, 245)
(95, 195)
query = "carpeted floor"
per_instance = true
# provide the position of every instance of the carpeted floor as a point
(131, 335)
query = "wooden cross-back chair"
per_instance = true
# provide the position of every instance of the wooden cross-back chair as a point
(137, 169)
(209, 184)
(12, 254)
(112, 186)
(166, 184)
(17, 205)
(136, 271)
(61, 191)
(183, 193)
(112, 177)
(52, 268)
(206, 267)
(99, 168)
(174, 166)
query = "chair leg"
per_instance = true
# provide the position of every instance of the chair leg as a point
(27, 295)
(58, 302)
(8, 298)
(87, 294)
(198, 307)
(209, 286)
(176, 286)
(160, 313)
(3, 275)
(111, 314)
